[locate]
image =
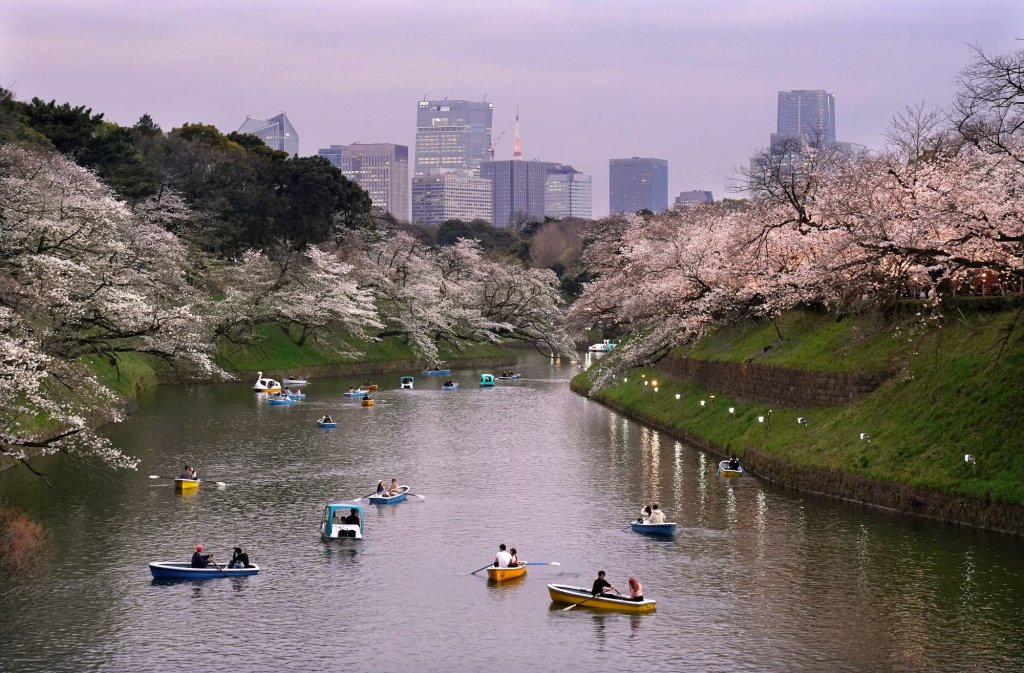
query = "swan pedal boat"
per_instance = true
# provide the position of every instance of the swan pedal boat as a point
(666, 529)
(728, 472)
(391, 499)
(323, 424)
(173, 570)
(265, 385)
(186, 484)
(561, 593)
(504, 574)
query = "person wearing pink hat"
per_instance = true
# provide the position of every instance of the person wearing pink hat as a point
(199, 559)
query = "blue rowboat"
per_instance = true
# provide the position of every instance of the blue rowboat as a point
(437, 372)
(326, 425)
(277, 401)
(295, 396)
(173, 570)
(487, 380)
(356, 393)
(664, 529)
(454, 386)
(390, 500)
(510, 377)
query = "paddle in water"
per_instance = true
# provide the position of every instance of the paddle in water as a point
(542, 563)
(489, 565)
(221, 484)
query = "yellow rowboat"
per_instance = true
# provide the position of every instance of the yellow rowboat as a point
(186, 484)
(561, 593)
(728, 472)
(373, 387)
(505, 574)
(367, 403)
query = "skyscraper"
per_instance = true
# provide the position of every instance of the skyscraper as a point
(276, 133)
(382, 169)
(450, 194)
(517, 190)
(694, 198)
(637, 184)
(808, 115)
(568, 193)
(452, 134)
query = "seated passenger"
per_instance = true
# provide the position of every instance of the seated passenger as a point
(734, 462)
(393, 489)
(239, 559)
(657, 516)
(352, 518)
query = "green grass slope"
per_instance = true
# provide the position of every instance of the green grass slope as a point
(957, 390)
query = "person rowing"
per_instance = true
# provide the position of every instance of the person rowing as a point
(326, 419)
(657, 516)
(199, 559)
(601, 585)
(503, 559)
(189, 473)
(393, 489)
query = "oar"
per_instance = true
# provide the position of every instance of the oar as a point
(489, 565)
(157, 476)
(543, 563)
(583, 601)
(218, 566)
(364, 497)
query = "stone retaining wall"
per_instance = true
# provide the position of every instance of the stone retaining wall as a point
(779, 386)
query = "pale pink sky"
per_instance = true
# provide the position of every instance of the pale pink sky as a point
(691, 82)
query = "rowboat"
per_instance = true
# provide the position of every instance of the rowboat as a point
(174, 570)
(510, 377)
(602, 347)
(295, 382)
(728, 472)
(406, 382)
(453, 386)
(667, 529)
(333, 526)
(487, 380)
(505, 574)
(359, 392)
(186, 484)
(277, 401)
(295, 396)
(390, 500)
(367, 402)
(437, 372)
(321, 424)
(265, 385)
(561, 593)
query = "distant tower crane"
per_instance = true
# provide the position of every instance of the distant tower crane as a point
(490, 148)
(518, 153)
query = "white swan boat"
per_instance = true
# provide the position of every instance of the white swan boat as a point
(265, 385)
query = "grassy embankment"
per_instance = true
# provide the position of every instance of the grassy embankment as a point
(956, 390)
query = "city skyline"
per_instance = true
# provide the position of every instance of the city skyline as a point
(701, 81)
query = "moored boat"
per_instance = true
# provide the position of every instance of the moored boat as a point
(487, 380)
(174, 570)
(391, 499)
(562, 593)
(728, 472)
(336, 521)
(504, 574)
(406, 382)
(295, 382)
(186, 484)
(666, 529)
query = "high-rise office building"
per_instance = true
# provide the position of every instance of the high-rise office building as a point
(807, 115)
(568, 193)
(452, 134)
(517, 190)
(637, 184)
(382, 169)
(450, 195)
(693, 198)
(276, 133)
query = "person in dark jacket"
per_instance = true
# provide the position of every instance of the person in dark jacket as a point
(199, 559)
(239, 559)
(601, 585)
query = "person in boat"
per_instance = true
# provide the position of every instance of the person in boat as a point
(636, 590)
(503, 558)
(287, 391)
(366, 383)
(326, 419)
(645, 515)
(393, 489)
(352, 518)
(188, 473)
(657, 516)
(734, 462)
(351, 389)
(381, 489)
(514, 561)
(239, 559)
(199, 559)
(601, 585)
(448, 383)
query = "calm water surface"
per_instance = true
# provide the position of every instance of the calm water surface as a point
(759, 578)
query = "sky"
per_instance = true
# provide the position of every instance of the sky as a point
(692, 82)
